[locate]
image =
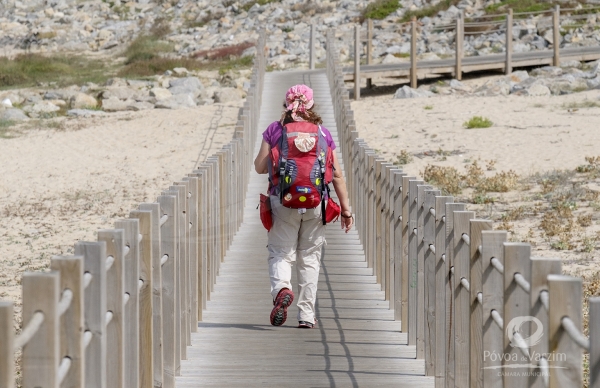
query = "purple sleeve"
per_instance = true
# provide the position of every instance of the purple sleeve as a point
(329, 138)
(272, 134)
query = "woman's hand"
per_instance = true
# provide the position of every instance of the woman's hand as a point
(347, 220)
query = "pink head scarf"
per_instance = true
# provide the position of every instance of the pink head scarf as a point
(299, 98)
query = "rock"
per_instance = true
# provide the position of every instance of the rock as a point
(457, 85)
(177, 101)
(7, 103)
(160, 93)
(140, 105)
(115, 104)
(499, 87)
(518, 76)
(569, 64)
(13, 114)
(180, 71)
(408, 92)
(547, 71)
(41, 109)
(226, 95)
(391, 59)
(82, 101)
(85, 113)
(120, 93)
(538, 90)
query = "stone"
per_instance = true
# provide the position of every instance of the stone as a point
(457, 85)
(391, 59)
(7, 103)
(227, 95)
(13, 114)
(408, 92)
(538, 90)
(120, 93)
(85, 113)
(115, 104)
(177, 102)
(82, 101)
(160, 93)
(40, 108)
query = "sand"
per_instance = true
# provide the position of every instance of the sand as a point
(64, 179)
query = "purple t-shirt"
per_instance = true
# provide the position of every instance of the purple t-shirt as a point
(273, 133)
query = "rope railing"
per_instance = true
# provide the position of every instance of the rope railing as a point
(120, 301)
(454, 282)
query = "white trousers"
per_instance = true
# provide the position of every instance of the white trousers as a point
(296, 237)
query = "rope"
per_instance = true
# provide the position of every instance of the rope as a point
(432, 248)
(65, 301)
(524, 284)
(164, 259)
(465, 237)
(496, 264)
(109, 262)
(108, 317)
(465, 283)
(545, 299)
(577, 336)
(498, 319)
(87, 338)
(163, 219)
(29, 331)
(63, 369)
(87, 279)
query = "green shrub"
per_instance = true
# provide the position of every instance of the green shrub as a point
(478, 122)
(380, 9)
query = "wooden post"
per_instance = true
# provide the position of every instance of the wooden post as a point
(183, 267)
(476, 290)
(413, 54)
(459, 45)
(312, 47)
(7, 336)
(377, 209)
(429, 264)
(566, 366)
(462, 298)
(41, 354)
(71, 322)
(369, 48)
(540, 269)
(193, 214)
(556, 35)
(421, 314)
(398, 247)
(594, 330)
(114, 239)
(493, 301)
(405, 238)
(517, 307)
(509, 41)
(168, 246)
(131, 277)
(146, 328)
(451, 284)
(388, 225)
(151, 256)
(357, 46)
(440, 291)
(94, 263)
(412, 262)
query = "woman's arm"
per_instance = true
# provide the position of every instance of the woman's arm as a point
(339, 185)
(262, 159)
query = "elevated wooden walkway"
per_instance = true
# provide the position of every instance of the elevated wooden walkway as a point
(357, 342)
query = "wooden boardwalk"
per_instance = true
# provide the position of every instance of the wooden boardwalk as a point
(357, 342)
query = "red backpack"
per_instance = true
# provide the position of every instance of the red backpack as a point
(301, 166)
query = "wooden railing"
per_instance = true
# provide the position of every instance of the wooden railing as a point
(466, 296)
(119, 312)
(460, 27)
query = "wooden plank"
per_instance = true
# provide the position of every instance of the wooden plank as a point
(405, 220)
(40, 358)
(151, 250)
(492, 243)
(115, 285)
(459, 45)
(193, 216)
(421, 314)
(357, 49)
(168, 248)
(183, 265)
(462, 305)
(131, 309)
(94, 263)
(566, 364)
(517, 304)
(377, 209)
(440, 288)
(413, 53)
(71, 324)
(429, 265)
(594, 330)
(476, 291)
(451, 284)
(509, 41)
(7, 336)
(398, 248)
(540, 269)
(146, 319)
(412, 261)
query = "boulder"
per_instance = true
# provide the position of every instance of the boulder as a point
(114, 104)
(120, 93)
(13, 114)
(408, 92)
(85, 113)
(160, 93)
(177, 102)
(82, 101)
(538, 89)
(226, 95)
(41, 109)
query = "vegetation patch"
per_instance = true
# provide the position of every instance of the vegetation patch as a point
(530, 5)
(246, 7)
(380, 9)
(478, 122)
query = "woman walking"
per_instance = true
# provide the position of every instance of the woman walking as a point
(299, 156)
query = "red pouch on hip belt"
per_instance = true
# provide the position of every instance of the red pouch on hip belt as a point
(265, 212)
(332, 211)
